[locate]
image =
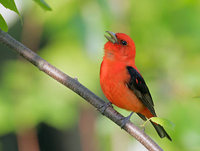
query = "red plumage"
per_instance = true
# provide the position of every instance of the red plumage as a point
(121, 81)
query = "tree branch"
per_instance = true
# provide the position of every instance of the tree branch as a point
(78, 88)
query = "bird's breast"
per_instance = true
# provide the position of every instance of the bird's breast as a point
(113, 79)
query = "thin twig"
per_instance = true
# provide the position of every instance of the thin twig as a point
(78, 88)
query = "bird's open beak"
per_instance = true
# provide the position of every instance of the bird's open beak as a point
(112, 38)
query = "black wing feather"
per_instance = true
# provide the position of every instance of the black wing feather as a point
(139, 87)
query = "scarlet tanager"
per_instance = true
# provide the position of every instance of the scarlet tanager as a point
(121, 81)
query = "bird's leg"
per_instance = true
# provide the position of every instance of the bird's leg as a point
(126, 120)
(104, 107)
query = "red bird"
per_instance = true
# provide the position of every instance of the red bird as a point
(121, 81)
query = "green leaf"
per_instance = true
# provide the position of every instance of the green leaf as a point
(10, 4)
(163, 122)
(43, 4)
(3, 24)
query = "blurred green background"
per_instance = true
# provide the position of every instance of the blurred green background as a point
(37, 113)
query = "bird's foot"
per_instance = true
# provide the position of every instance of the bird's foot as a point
(103, 108)
(125, 120)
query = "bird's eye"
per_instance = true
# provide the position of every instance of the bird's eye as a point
(124, 42)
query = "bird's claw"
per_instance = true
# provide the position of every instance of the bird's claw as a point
(125, 120)
(103, 108)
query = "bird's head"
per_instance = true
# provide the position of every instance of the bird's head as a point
(119, 46)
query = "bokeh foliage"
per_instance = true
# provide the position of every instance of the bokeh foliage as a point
(166, 34)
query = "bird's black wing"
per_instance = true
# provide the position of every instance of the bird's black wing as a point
(140, 89)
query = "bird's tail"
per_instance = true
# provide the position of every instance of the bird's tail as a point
(160, 130)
